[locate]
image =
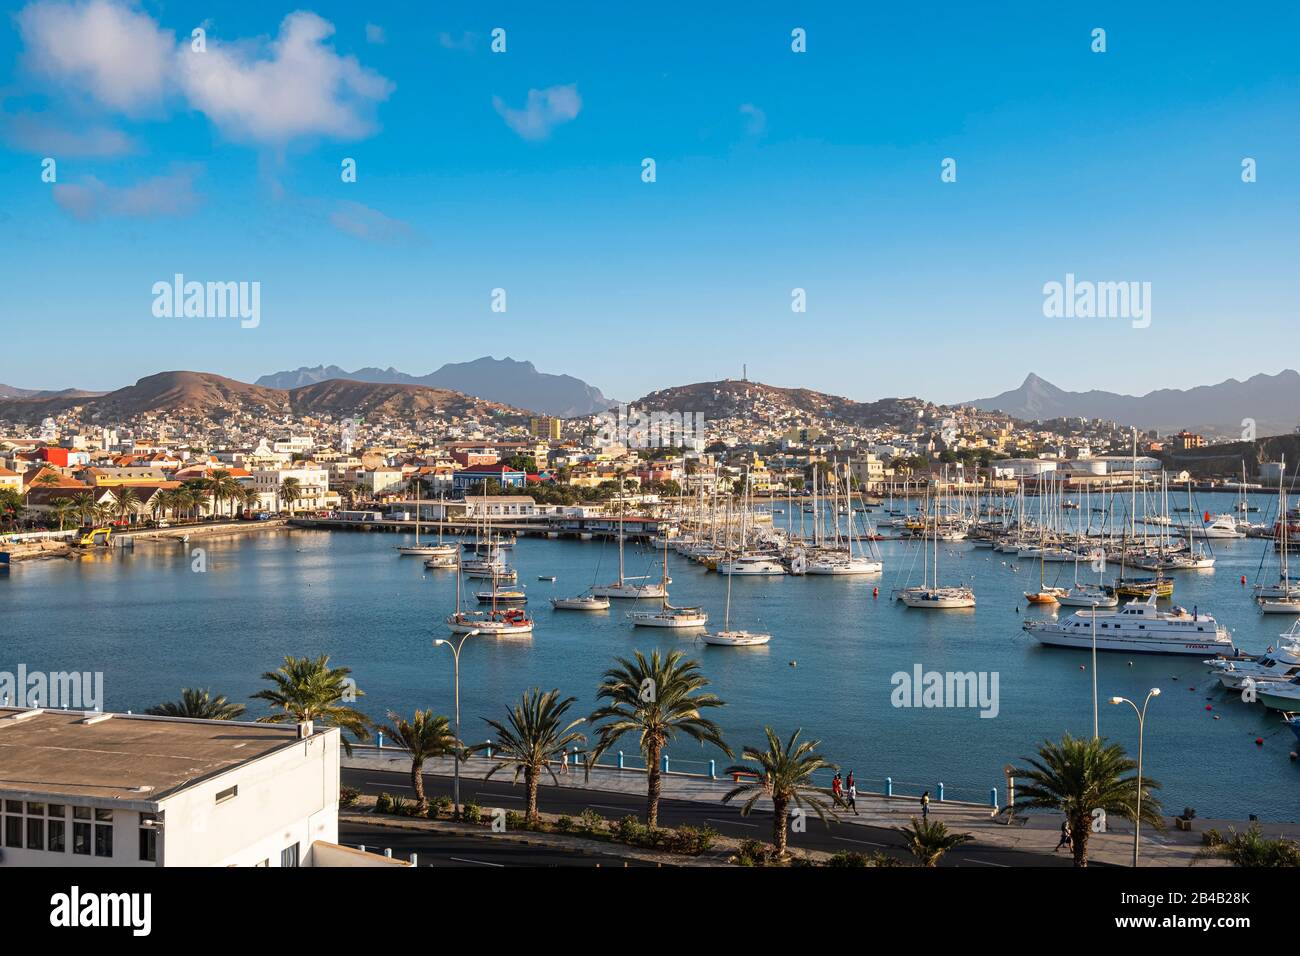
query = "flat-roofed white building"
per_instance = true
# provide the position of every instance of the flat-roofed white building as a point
(99, 789)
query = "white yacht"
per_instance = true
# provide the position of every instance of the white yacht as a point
(667, 615)
(583, 602)
(1280, 695)
(626, 587)
(1223, 526)
(1086, 595)
(752, 564)
(510, 621)
(1280, 664)
(1138, 628)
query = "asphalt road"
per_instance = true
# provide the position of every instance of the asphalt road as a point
(486, 851)
(833, 838)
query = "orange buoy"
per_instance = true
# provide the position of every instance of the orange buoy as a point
(1259, 741)
(1208, 707)
(1243, 579)
(875, 592)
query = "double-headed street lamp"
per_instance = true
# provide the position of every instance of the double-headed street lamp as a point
(455, 653)
(1142, 722)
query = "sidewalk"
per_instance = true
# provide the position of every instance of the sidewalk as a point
(1035, 833)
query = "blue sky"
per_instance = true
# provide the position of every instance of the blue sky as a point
(775, 171)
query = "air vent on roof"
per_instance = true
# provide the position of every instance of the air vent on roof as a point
(24, 715)
(95, 718)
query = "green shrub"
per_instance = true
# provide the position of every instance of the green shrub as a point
(348, 796)
(515, 820)
(851, 858)
(692, 841)
(751, 853)
(629, 830)
(589, 821)
(383, 803)
(471, 813)
(441, 805)
(399, 807)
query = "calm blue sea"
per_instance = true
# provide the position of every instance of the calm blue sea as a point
(152, 625)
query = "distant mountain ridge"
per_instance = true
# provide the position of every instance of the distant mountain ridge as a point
(506, 380)
(740, 398)
(1271, 401)
(216, 396)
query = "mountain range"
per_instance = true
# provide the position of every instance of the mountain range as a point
(507, 381)
(215, 396)
(1270, 401)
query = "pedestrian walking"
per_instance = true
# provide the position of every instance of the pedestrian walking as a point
(837, 789)
(853, 796)
(1067, 838)
(925, 805)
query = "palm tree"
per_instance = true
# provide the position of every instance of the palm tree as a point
(102, 514)
(1078, 777)
(290, 492)
(190, 498)
(250, 498)
(784, 773)
(426, 735)
(63, 509)
(309, 689)
(196, 491)
(198, 703)
(125, 502)
(221, 486)
(533, 734)
(656, 699)
(85, 503)
(928, 840)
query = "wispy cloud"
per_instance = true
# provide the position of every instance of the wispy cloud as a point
(296, 85)
(466, 42)
(545, 110)
(363, 222)
(168, 195)
(34, 134)
(757, 124)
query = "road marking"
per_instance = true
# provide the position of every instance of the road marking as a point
(502, 796)
(606, 806)
(461, 859)
(987, 863)
(866, 843)
(386, 783)
(735, 823)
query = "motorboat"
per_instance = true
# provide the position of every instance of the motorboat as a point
(752, 564)
(1280, 695)
(1139, 628)
(1275, 664)
(1087, 595)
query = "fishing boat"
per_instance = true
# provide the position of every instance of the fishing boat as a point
(583, 602)
(1139, 628)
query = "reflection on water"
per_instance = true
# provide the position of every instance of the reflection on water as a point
(153, 625)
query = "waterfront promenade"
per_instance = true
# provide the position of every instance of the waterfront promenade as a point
(1027, 842)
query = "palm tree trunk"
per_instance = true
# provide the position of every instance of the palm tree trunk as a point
(417, 784)
(779, 815)
(654, 783)
(1080, 827)
(532, 777)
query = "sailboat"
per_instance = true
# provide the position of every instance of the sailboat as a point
(625, 587)
(837, 562)
(1089, 595)
(733, 638)
(1044, 594)
(1283, 597)
(498, 621)
(925, 596)
(667, 615)
(439, 550)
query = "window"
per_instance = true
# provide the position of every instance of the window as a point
(149, 837)
(289, 855)
(35, 833)
(228, 794)
(55, 844)
(103, 840)
(81, 838)
(13, 830)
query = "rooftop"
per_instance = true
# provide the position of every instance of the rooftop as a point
(123, 756)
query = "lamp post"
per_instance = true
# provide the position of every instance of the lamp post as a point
(1142, 721)
(455, 653)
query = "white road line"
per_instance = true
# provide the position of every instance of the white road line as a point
(500, 796)
(736, 823)
(461, 859)
(863, 842)
(1005, 866)
(606, 806)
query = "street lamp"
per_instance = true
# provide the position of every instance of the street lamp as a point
(455, 652)
(1142, 722)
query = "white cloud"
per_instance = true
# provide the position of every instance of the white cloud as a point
(32, 133)
(375, 34)
(466, 42)
(757, 119)
(117, 56)
(295, 86)
(169, 195)
(545, 110)
(363, 222)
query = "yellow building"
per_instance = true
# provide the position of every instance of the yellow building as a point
(544, 427)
